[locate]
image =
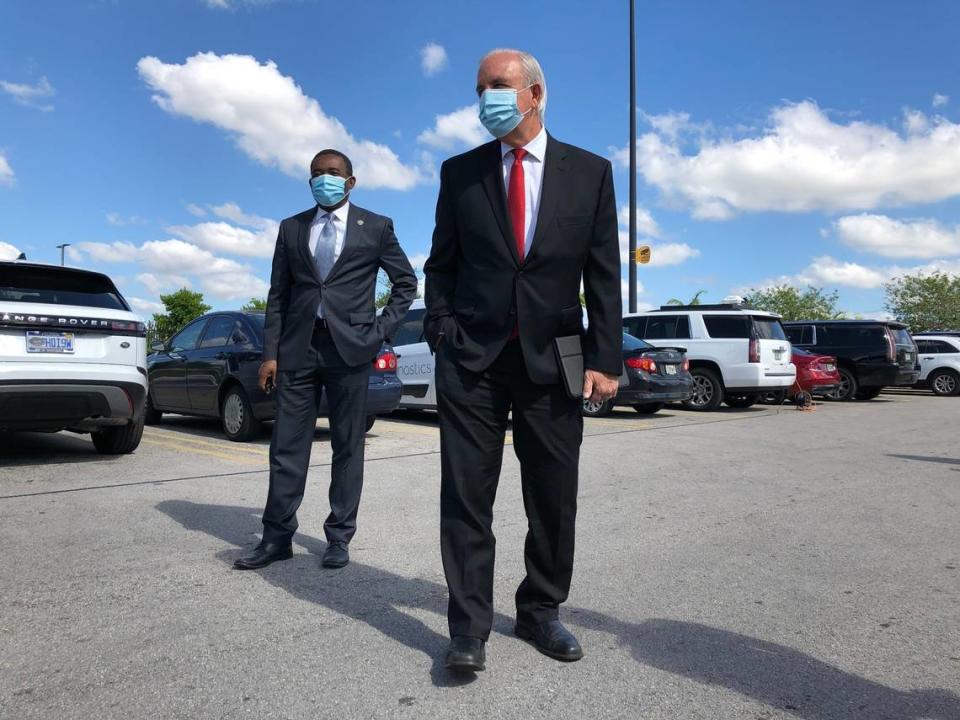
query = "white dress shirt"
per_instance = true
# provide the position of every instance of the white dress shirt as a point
(532, 181)
(339, 227)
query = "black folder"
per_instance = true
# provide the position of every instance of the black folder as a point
(569, 352)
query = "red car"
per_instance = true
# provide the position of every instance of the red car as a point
(816, 374)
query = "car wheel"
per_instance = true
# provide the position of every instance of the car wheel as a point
(707, 390)
(742, 401)
(778, 397)
(151, 416)
(847, 388)
(868, 393)
(595, 409)
(371, 419)
(236, 416)
(944, 383)
(648, 408)
(118, 439)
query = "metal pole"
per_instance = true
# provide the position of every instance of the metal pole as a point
(633, 160)
(62, 248)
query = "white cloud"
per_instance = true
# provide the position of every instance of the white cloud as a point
(417, 261)
(892, 238)
(118, 220)
(30, 95)
(268, 115)
(234, 286)
(6, 172)
(804, 161)
(158, 283)
(146, 307)
(826, 271)
(225, 238)
(662, 254)
(231, 211)
(117, 252)
(433, 58)
(196, 210)
(460, 128)
(940, 100)
(646, 225)
(218, 4)
(8, 251)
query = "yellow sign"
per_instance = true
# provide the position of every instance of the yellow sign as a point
(643, 254)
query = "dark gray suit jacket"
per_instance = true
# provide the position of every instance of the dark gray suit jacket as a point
(348, 292)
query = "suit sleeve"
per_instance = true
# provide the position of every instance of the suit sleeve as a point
(601, 284)
(276, 299)
(403, 281)
(441, 267)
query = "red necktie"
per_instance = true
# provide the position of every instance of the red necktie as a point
(517, 201)
(517, 207)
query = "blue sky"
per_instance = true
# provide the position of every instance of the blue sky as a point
(814, 142)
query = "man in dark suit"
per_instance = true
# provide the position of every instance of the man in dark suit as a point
(322, 334)
(519, 222)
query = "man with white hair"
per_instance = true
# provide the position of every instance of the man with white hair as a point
(520, 222)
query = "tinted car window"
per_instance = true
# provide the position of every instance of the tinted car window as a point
(800, 334)
(632, 343)
(851, 335)
(219, 330)
(667, 327)
(769, 328)
(635, 326)
(939, 346)
(240, 334)
(411, 329)
(902, 336)
(727, 326)
(58, 287)
(187, 338)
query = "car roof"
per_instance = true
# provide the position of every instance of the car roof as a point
(863, 321)
(713, 309)
(64, 269)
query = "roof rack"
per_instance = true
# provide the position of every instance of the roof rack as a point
(719, 306)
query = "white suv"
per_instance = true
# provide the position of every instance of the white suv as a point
(72, 356)
(736, 353)
(939, 363)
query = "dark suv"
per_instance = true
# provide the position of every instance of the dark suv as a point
(871, 354)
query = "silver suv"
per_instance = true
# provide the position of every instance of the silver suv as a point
(72, 356)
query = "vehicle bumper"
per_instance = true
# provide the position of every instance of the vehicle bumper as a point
(645, 388)
(907, 377)
(74, 404)
(383, 396)
(754, 378)
(818, 389)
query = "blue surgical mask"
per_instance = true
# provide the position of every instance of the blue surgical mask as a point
(328, 190)
(499, 112)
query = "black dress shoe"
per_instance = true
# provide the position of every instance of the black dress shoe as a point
(552, 639)
(336, 555)
(466, 654)
(264, 554)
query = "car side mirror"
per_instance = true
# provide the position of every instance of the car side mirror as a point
(158, 347)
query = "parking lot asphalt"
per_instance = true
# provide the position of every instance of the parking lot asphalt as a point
(757, 564)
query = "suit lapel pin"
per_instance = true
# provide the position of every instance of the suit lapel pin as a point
(359, 222)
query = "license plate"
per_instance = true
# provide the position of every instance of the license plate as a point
(908, 356)
(48, 342)
(670, 369)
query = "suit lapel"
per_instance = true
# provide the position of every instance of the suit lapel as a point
(353, 229)
(497, 195)
(554, 165)
(303, 243)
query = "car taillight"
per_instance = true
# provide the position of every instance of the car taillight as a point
(686, 365)
(891, 346)
(641, 363)
(385, 361)
(121, 326)
(754, 350)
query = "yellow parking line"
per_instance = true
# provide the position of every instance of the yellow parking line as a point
(405, 429)
(199, 451)
(222, 445)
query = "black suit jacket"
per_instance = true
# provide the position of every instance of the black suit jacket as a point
(348, 292)
(477, 287)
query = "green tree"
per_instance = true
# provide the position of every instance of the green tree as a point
(383, 289)
(794, 304)
(925, 302)
(255, 305)
(695, 300)
(181, 306)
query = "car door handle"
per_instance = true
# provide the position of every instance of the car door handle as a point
(929, 358)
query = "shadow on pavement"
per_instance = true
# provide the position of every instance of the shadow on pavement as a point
(32, 448)
(773, 674)
(927, 458)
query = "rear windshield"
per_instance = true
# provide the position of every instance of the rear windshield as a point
(902, 336)
(727, 326)
(851, 336)
(632, 343)
(52, 286)
(769, 328)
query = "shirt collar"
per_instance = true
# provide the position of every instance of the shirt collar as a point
(536, 148)
(339, 214)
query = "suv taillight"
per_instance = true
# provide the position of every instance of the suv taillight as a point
(891, 345)
(385, 362)
(754, 350)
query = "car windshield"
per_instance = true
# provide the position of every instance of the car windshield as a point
(53, 286)
(769, 328)
(632, 343)
(902, 336)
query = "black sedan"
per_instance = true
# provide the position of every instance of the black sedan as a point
(210, 369)
(652, 376)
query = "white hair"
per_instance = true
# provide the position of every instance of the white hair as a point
(532, 73)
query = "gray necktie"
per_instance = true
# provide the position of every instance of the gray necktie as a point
(326, 246)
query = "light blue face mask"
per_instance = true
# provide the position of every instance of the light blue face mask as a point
(499, 112)
(328, 190)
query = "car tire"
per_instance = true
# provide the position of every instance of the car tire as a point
(118, 439)
(595, 410)
(868, 393)
(648, 408)
(371, 419)
(707, 390)
(741, 402)
(944, 383)
(151, 416)
(777, 397)
(236, 416)
(847, 389)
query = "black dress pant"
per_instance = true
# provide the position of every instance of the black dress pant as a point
(298, 395)
(547, 432)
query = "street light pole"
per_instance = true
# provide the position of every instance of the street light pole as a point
(62, 248)
(632, 260)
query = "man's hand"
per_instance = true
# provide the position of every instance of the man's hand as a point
(598, 386)
(268, 373)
